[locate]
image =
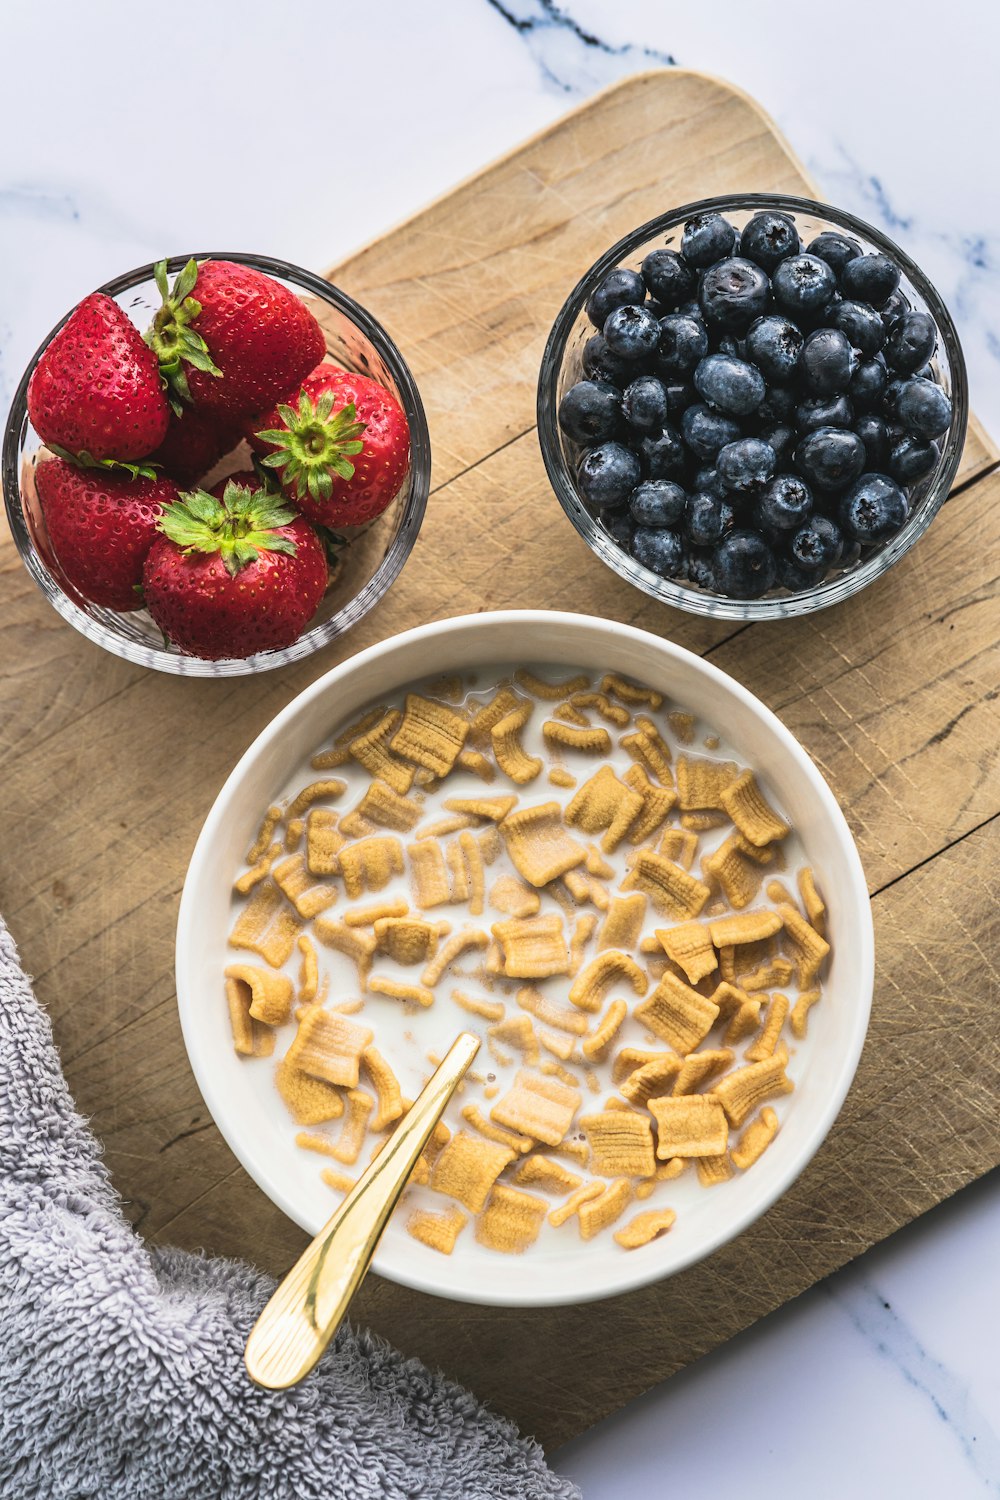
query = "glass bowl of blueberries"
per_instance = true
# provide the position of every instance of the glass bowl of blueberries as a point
(750, 408)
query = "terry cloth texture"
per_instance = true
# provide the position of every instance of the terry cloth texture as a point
(121, 1372)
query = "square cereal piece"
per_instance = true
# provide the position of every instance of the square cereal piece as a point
(605, 805)
(293, 878)
(809, 950)
(329, 1046)
(532, 947)
(270, 994)
(537, 1106)
(652, 1079)
(372, 751)
(672, 890)
(370, 864)
(657, 804)
(689, 946)
(251, 1038)
(743, 1091)
(542, 1172)
(386, 808)
(691, 1125)
(701, 782)
(597, 1213)
(745, 927)
(508, 751)
(539, 846)
(622, 926)
(751, 812)
(730, 867)
(323, 841)
(467, 1168)
(650, 751)
(677, 1014)
(511, 895)
(679, 845)
(621, 1143)
(267, 926)
(438, 1231)
(431, 733)
(406, 940)
(511, 1221)
(645, 1227)
(308, 1100)
(503, 703)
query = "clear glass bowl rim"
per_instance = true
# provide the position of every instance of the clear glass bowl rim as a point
(783, 606)
(317, 636)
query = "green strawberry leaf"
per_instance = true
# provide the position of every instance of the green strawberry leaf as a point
(244, 523)
(85, 460)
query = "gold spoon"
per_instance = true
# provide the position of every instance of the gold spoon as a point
(309, 1306)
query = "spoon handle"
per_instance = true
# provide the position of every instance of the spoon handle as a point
(309, 1305)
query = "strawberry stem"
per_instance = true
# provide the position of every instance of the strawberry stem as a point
(171, 336)
(85, 460)
(239, 526)
(314, 444)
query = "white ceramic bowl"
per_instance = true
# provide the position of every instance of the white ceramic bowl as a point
(252, 1117)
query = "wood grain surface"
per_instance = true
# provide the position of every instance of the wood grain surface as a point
(108, 772)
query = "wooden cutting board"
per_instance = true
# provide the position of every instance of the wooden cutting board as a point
(108, 772)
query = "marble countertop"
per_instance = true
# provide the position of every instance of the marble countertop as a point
(226, 128)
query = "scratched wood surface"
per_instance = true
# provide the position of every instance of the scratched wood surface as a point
(108, 773)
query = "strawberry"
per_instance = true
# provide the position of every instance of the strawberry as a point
(235, 572)
(194, 444)
(96, 388)
(334, 418)
(238, 344)
(101, 524)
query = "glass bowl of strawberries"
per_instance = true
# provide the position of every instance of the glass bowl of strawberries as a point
(216, 465)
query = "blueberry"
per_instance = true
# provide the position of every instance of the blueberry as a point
(746, 465)
(786, 503)
(782, 438)
(770, 238)
(731, 385)
(911, 342)
(618, 525)
(708, 480)
(608, 474)
(590, 411)
(680, 395)
(870, 278)
(743, 565)
(699, 568)
(683, 341)
(803, 284)
(657, 502)
(924, 407)
(706, 431)
(706, 239)
(659, 549)
(817, 544)
(669, 278)
(774, 344)
(632, 332)
(733, 293)
(910, 459)
(729, 344)
(873, 508)
(600, 364)
(824, 411)
(896, 307)
(794, 577)
(873, 432)
(619, 288)
(862, 325)
(644, 404)
(778, 405)
(662, 454)
(706, 519)
(867, 386)
(835, 249)
(827, 361)
(890, 398)
(830, 458)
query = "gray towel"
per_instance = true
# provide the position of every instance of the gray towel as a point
(121, 1373)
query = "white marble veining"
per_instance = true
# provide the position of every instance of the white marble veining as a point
(130, 132)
